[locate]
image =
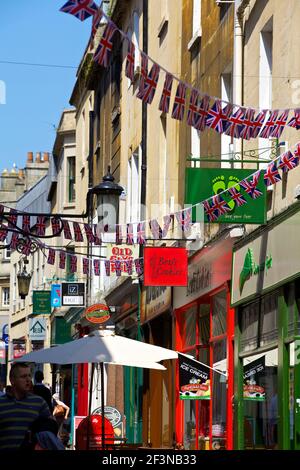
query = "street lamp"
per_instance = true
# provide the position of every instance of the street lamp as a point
(24, 279)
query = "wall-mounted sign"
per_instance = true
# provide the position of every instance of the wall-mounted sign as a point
(115, 417)
(56, 295)
(121, 253)
(19, 349)
(37, 329)
(2, 352)
(165, 266)
(41, 302)
(254, 380)
(98, 313)
(194, 381)
(73, 294)
(155, 300)
(203, 183)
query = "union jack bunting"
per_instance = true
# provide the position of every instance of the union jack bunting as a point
(102, 53)
(235, 123)
(164, 103)
(280, 124)
(86, 266)
(288, 161)
(67, 230)
(219, 205)
(258, 123)
(26, 248)
(1, 212)
(56, 227)
(201, 115)
(167, 222)
(184, 219)
(97, 267)
(128, 266)
(119, 236)
(248, 125)
(118, 267)
(193, 107)
(271, 174)
(237, 197)
(179, 102)
(130, 236)
(107, 267)
(12, 218)
(146, 94)
(89, 233)
(297, 151)
(144, 71)
(73, 263)
(62, 260)
(26, 223)
(141, 240)
(14, 241)
(251, 186)
(97, 17)
(82, 9)
(209, 211)
(130, 60)
(97, 239)
(138, 266)
(155, 229)
(268, 127)
(40, 226)
(51, 256)
(295, 121)
(3, 234)
(77, 232)
(217, 117)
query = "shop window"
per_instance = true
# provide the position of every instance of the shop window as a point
(269, 319)
(219, 395)
(219, 313)
(189, 332)
(249, 326)
(203, 324)
(292, 347)
(289, 293)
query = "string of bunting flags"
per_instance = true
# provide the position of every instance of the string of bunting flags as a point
(203, 111)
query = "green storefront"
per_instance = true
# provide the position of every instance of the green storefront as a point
(266, 296)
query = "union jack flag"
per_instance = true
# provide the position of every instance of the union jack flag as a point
(247, 126)
(155, 229)
(118, 267)
(288, 161)
(119, 236)
(56, 227)
(40, 226)
(101, 55)
(184, 219)
(97, 267)
(251, 186)
(280, 124)
(77, 232)
(26, 248)
(179, 102)
(138, 265)
(67, 230)
(26, 223)
(129, 69)
(235, 123)
(86, 266)
(97, 239)
(295, 121)
(193, 107)
(146, 94)
(97, 17)
(271, 174)
(129, 264)
(258, 122)
(14, 241)
(144, 71)
(237, 197)
(3, 234)
(130, 236)
(51, 256)
(62, 260)
(267, 130)
(89, 233)
(200, 118)
(1, 212)
(167, 222)
(107, 267)
(141, 240)
(164, 103)
(217, 117)
(12, 218)
(73, 263)
(82, 9)
(219, 205)
(209, 211)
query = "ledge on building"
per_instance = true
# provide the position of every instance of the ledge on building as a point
(195, 39)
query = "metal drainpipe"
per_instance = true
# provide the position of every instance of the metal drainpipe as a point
(237, 83)
(144, 116)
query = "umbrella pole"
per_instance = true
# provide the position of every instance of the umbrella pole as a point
(90, 408)
(102, 402)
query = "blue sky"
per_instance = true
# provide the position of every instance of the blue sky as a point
(35, 31)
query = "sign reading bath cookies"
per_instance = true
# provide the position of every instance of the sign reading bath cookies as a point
(165, 266)
(194, 381)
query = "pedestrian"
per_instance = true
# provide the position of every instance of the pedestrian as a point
(42, 435)
(60, 413)
(19, 408)
(41, 390)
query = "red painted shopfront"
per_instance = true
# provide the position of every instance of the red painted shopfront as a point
(205, 330)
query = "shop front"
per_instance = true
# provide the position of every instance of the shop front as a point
(204, 330)
(266, 296)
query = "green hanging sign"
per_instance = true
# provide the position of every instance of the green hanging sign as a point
(203, 183)
(41, 300)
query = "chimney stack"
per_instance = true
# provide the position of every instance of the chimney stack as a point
(38, 157)
(21, 174)
(46, 157)
(29, 157)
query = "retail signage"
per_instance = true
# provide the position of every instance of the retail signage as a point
(254, 379)
(98, 313)
(2, 352)
(19, 349)
(37, 329)
(115, 417)
(56, 295)
(251, 268)
(165, 266)
(73, 294)
(41, 300)
(203, 183)
(121, 253)
(194, 381)
(155, 300)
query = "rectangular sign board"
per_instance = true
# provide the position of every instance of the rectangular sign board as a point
(73, 294)
(165, 266)
(41, 300)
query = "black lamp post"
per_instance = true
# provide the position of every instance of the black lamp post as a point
(24, 279)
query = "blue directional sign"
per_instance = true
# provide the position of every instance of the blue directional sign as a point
(56, 295)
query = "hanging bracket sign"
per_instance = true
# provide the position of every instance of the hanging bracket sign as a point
(165, 266)
(98, 313)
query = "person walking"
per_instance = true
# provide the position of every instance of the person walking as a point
(61, 413)
(41, 390)
(19, 408)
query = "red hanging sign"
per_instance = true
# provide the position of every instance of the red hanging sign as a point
(165, 267)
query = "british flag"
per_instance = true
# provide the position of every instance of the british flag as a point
(258, 123)
(267, 129)
(184, 219)
(62, 260)
(101, 55)
(97, 238)
(118, 267)
(251, 186)
(40, 225)
(280, 124)
(130, 235)
(235, 123)
(141, 237)
(155, 229)
(1, 211)
(77, 232)
(167, 222)
(217, 117)
(119, 235)
(144, 71)
(82, 9)
(146, 94)
(200, 119)
(3, 234)
(237, 197)
(26, 223)
(26, 248)
(130, 60)
(138, 266)
(295, 121)
(164, 104)
(56, 225)
(89, 233)
(14, 241)
(219, 205)
(67, 230)
(288, 161)
(12, 218)
(193, 107)
(86, 266)
(179, 102)
(97, 267)
(209, 211)
(129, 265)
(51, 256)
(73, 263)
(107, 267)
(271, 174)
(247, 126)
(97, 17)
